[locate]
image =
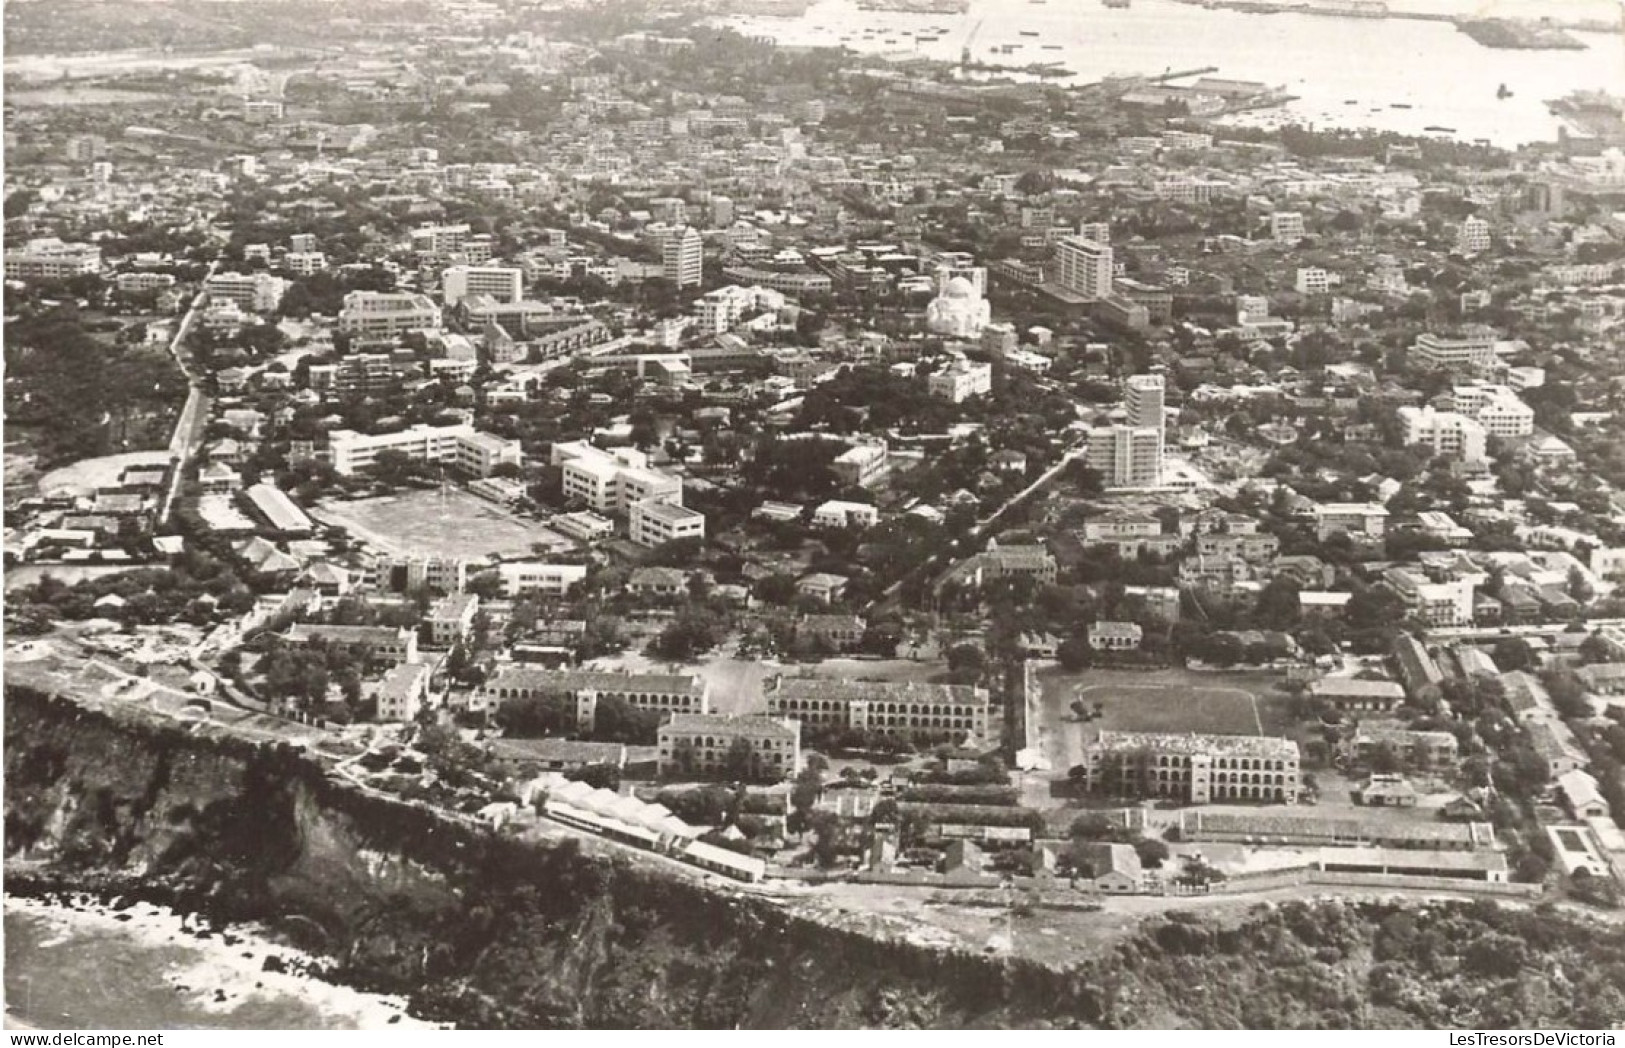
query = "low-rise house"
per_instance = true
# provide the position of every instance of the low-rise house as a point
(838, 514)
(1604, 678)
(1527, 697)
(841, 632)
(1417, 668)
(1113, 869)
(328, 579)
(1115, 636)
(1416, 749)
(1387, 791)
(663, 583)
(1039, 645)
(1581, 796)
(1556, 746)
(1352, 695)
(823, 586)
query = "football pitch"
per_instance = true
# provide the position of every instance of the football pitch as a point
(1165, 701)
(446, 522)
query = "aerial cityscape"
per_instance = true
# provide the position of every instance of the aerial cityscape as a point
(582, 514)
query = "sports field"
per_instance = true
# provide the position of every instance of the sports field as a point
(1160, 701)
(447, 522)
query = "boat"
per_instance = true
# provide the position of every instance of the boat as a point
(1399, 105)
(1052, 47)
(1029, 32)
(1440, 130)
(1352, 102)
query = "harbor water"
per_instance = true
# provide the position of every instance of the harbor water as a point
(1391, 74)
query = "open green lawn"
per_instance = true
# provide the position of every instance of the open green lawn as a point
(446, 522)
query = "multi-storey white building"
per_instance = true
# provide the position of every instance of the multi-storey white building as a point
(1439, 604)
(252, 292)
(612, 482)
(48, 258)
(524, 577)
(682, 257)
(304, 263)
(440, 241)
(1126, 456)
(1497, 408)
(1130, 455)
(1472, 236)
(401, 692)
(1358, 519)
(912, 710)
(862, 464)
(839, 514)
(460, 446)
(387, 313)
(1286, 227)
(1472, 349)
(1446, 432)
(961, 380)
(653, 522)
(1196, 769)
(703, 742)
(501, 283)
(723, 309)
(1312, 280)
(1084, 266)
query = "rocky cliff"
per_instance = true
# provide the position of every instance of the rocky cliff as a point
(489, 932)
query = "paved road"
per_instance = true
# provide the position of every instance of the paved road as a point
(189, 427)
(983, 526)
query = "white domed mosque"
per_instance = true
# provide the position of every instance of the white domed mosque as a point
(959, 310)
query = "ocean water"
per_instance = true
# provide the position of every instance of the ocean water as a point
(76, 970)
(1392, 74)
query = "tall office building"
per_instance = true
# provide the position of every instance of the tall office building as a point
(1130, 455)
(682, 258)
(1473, 236)
(1144, 400)
(1084, 266)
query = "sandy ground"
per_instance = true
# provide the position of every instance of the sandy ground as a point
(446, 522)
(85, 476)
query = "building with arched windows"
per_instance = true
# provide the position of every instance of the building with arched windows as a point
(923, 712)
(705, 743)
(1198, 769)
(656, 692)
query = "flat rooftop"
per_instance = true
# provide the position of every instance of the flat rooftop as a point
(1190, 743)
(873, 691)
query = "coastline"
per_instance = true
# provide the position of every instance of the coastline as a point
(212, 972)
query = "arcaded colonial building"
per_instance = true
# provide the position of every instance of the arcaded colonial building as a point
(1198, 769)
